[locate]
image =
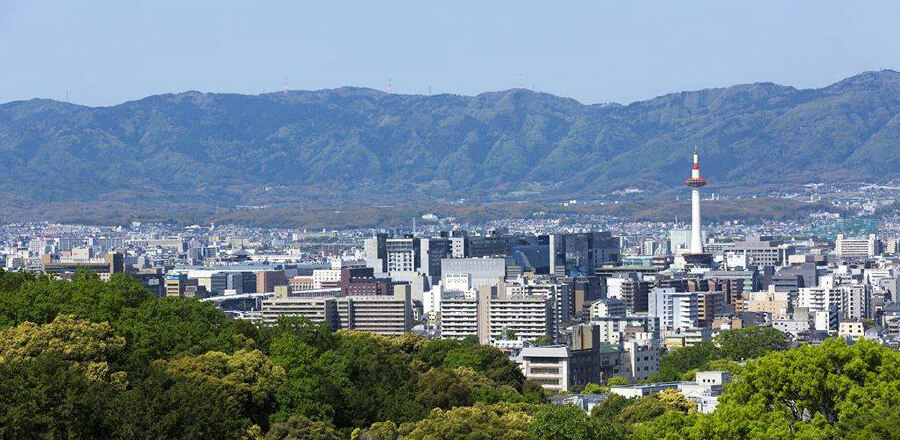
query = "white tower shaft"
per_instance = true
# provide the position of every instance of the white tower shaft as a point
(696, 236)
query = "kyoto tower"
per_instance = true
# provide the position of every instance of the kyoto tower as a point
(696, 255)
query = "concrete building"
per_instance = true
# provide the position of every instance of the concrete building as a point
(488, 318)
(459, 318)
(775, 304)
(760, 251)
(316, 309)
(527, 317)
(384, 315)
(709, 306)
(326, 278)
(401, 254)
(267, 280)
(361, 281)
(857, 247)
(482, 271)
(175, 284)
(300, 283)
(56, 264)
(675, 310)
(607, 308)
(558, 368)
(851, 330)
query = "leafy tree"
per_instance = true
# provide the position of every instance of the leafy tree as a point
(360, 380)
(542, 341)
(478, 422)
(567, 422)
(592, 388)
(318, 335)
(487, 391)
(40, 300)
(432, 353)
(167, 327)
(163, 406)
(671, 425)
(749, 343)
(830, 390)
(44, 398)
(681, 360)
(612, 406)
(408, 343)
(247, 375)
(378, 431)
(301, 428)
(533, 392)
(676, 401)
(87, 345)
(442, 388)
(490, 361)
(654, 405)
(617, 381)
(303, 391)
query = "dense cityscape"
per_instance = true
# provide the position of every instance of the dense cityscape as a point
(593, 311)
(468, 220)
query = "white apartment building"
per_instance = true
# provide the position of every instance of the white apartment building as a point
(401, 255)
(675, 310)
(325, 278)
(857, 246)
(641, 357)
(487, 318)
(856, 301)
(607, 308)
(315, 309)
(458, 318)
(528, 317)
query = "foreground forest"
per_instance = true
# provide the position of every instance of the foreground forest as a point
(90, 359)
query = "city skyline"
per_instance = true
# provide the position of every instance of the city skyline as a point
(414, 259)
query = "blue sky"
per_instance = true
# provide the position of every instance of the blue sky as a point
(105, 52)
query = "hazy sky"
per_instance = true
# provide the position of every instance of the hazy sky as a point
(106, 52)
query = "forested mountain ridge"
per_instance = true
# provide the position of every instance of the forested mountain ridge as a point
(350, 143)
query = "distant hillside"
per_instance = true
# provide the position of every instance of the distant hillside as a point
(350, 144)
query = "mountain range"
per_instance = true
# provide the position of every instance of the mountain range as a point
(353, 145)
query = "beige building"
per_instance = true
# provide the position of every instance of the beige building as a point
(776, 304)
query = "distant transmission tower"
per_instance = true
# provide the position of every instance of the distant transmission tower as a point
(285, 85)
(389, 86)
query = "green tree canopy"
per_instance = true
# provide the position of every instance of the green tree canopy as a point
(442, 388)
(85, 344)
(567, 422)
(167, 327)
(248, 375)
(749, 343)
(301, 428)
(478, 422)
(830, 390)
(617, 381)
